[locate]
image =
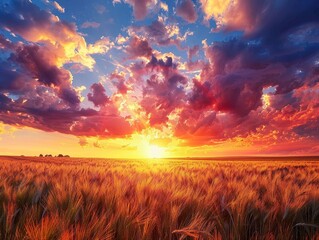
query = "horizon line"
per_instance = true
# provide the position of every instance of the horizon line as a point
(175, 158)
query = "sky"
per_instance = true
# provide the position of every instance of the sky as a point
(159, 78)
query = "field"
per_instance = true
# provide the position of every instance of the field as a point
(67, 198)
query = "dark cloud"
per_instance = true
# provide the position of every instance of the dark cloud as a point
(138, 48)
(38, 26)
(44, 112)
(309, 129)
(161, 66)
(154, 62)
(269, 20)
(98, 95)
(227, 101)
(36, 90)
(33, 60)
(201, 95)
(239, 71)
(35, 65)
(50, 117)
(69, 95)
(186, 10)
(162, 95)
(25, 18)
(11, 80)
(4, 103)
(278, 20)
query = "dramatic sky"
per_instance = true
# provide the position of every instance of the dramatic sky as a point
(151, 78)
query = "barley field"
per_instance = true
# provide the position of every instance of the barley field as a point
(69, 198)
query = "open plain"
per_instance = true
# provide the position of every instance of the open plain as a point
(235, 198)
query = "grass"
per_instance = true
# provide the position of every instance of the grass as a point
(63, 198)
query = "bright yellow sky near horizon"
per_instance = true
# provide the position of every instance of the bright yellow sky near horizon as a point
(32, 142)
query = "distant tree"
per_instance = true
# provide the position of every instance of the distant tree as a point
(60, 155)
(66, 156)
(40, 155)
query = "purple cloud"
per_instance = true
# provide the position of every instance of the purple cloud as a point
(186, 10)
(98, 95)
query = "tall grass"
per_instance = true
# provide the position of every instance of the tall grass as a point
(58, 198)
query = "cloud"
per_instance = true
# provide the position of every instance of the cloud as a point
(186, 10)
(100, 9)
(161, 33)
(259, 88)
(6, 43)
(226, 101)
(42, 109)
(36, 66)
(102, 125)
(58, 7)
(141, 7)
(309, 129)
(83, 141)
(164, 6)
(215, 8)
(98, 95)
(12, 80)
(163, 92)
(119, 82)
(101, 46)
(138, 48)
(88, 24)
(263, 19)
(97, 145)
(35, 88)
(121, 39)
(42, 27)
(35, 60)
(193, 51)
(236, 74)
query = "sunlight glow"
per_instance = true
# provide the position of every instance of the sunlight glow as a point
(266, 101)
(155, 152)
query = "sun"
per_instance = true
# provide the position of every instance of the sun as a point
(155, 152)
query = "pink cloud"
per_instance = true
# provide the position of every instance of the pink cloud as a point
(90, 25)
(186, 10)
(141, 7)
(138, 48)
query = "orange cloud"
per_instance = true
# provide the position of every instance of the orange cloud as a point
(232, 14)
(58, 7)
(215, 8)
(59, 37)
